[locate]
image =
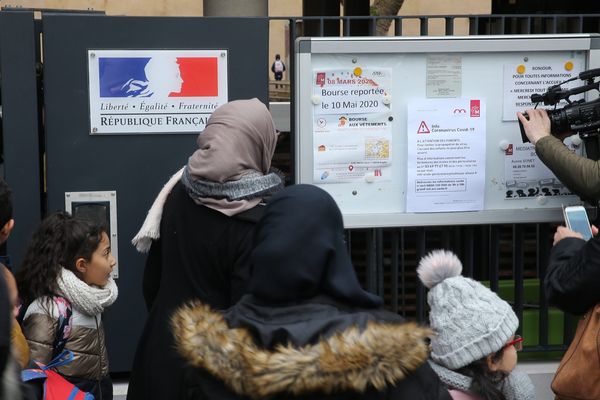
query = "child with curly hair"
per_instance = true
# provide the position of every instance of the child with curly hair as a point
(68, 266)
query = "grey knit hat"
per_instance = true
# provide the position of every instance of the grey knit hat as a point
(470, 320)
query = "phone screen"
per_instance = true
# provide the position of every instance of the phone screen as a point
(578, 222)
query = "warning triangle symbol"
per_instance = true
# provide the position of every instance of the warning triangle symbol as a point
(423, 128)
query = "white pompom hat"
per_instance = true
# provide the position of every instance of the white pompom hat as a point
(470, 320)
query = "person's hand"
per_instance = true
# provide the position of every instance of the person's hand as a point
(564, 232)
(538, 125)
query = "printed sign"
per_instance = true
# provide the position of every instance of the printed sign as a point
(353, 147)
(527, 176)
(444, 75)
(523, 80)
(352, 129)
(351, 91)
(446, 155)
(147, 91)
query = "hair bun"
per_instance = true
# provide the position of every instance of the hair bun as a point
(437, 266)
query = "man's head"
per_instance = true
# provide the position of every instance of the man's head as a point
(6, 212)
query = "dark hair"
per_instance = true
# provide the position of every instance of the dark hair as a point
(59, 241)
(484, 381)
(6, 208)
(277, 56)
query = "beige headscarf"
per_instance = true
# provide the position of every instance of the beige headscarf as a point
(236, 145)
(239, 137)
(230, 170)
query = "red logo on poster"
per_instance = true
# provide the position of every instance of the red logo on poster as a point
(423, 128)
(509, 150)
(377, 172)
(475, 108)
(350, 167)
(320, 79)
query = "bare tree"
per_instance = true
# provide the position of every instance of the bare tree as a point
(385, 8)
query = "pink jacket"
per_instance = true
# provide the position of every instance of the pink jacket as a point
(460, 395)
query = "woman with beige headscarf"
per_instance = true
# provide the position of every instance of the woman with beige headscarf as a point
(198, 232)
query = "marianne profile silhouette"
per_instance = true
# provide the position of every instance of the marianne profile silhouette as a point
(157, 76)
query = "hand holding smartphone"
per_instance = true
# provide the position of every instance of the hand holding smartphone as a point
(577, 220)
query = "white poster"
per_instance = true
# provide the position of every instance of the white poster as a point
(523, 80)
(446, 155)
(527, 176)
(444, 75)
(146, 91)
(352, 125)
(352, 147)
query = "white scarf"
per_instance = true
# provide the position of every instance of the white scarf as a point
(91, 300)
(150, 229)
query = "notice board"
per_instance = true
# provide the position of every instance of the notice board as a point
(417, 131)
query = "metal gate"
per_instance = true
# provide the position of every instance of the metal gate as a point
(48, 152)
(129, 167)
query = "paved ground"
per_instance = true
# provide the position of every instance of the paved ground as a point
(541, 373)
(119, 390)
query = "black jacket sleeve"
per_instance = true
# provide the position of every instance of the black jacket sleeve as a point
(421, 384)
(572, 281)
(152, 274)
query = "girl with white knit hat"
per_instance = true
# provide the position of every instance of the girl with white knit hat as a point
(474, 351)
(68, 266)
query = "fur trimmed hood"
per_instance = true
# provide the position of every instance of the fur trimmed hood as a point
(352, 360)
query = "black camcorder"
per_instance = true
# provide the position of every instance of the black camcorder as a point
(577, 117)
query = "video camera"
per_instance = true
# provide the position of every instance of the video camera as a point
(581, 117)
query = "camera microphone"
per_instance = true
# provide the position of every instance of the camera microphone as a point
(589, 74)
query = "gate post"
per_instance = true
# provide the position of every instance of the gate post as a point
(20, 125)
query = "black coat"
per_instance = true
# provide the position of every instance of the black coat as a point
(201, 254)
(572, 281)
(307, 329)
(333, 352)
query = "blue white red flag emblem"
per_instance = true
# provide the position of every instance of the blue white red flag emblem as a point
(158, 76)
(155, 91)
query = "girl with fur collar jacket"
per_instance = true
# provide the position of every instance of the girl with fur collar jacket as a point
(306, 329)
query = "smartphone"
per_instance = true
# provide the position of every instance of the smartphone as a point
(577, 220)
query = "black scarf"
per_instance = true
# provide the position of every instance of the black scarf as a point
(303, 283)
(299, 251)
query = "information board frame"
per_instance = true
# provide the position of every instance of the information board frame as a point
(371, 204)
